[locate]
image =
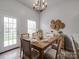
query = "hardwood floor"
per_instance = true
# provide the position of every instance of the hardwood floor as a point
(13, 54)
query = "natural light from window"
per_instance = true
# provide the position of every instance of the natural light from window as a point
(31, 26)
(10, 31)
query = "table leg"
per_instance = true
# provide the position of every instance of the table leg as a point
(41, 54)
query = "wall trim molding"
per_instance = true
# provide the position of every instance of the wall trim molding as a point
(9, 50)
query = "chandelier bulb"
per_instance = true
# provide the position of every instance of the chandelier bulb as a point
(33, 4)
(43, 1)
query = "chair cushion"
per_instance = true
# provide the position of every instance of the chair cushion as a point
(68, 43)
(54, 46)
(50, 54)
(48, 49)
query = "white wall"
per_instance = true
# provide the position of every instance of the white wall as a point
(65, 10)
(14, 9)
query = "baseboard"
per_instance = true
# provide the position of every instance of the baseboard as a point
(9, 50)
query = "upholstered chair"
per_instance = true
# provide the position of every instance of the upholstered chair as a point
(27, 51)
(23, 36)
(76, 49)
(71, 54)
(54, 46)
(55, 53)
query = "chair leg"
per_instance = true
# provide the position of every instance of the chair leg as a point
(22, 57)
(20, 52)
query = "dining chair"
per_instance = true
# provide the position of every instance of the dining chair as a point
(54, 53)
(23, 36)
(55, 44)
(71, 54)
(35, 35)
(27, 52)
(76, 49)
(59, 48)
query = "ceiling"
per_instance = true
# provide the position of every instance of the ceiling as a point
(29, 3)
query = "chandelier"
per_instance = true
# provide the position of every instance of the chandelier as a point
(40, 5)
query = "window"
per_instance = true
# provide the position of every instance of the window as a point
(31, 26)
(10, 33)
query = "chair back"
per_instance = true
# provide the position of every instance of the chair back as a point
(59, 47)
(26, 48)
(25, 36)
(76, 50)
(35, 35)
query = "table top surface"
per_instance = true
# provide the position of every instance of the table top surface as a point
(42, 44)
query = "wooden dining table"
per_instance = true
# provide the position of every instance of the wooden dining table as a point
(42, 45)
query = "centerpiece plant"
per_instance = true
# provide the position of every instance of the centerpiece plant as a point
(40, 33)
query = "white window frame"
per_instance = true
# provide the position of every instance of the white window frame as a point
(10, 31)
(31, 26)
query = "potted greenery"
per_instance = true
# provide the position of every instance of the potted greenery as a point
(40, 34)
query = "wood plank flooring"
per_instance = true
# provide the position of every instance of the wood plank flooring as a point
(13, 54)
